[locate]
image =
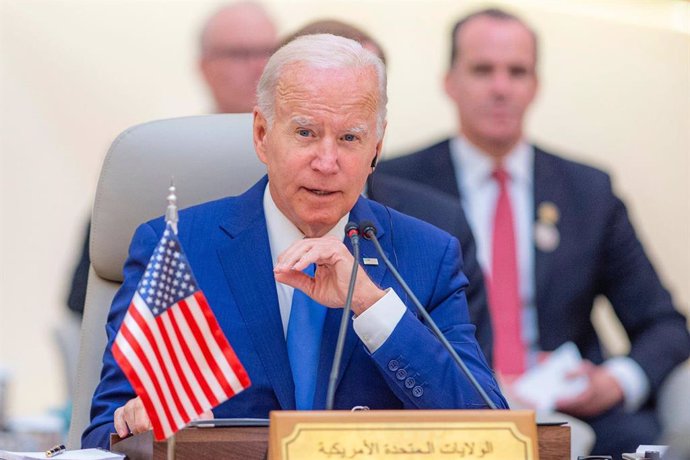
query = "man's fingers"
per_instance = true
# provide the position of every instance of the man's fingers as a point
(296, 279)
(131, 418)
(308, 251)
(130, 415)
(290, 259)
(567, 405)
(330, 282)
(140, 422)
(585, 368)
(299, 251)
(574, 404)
(119, 422)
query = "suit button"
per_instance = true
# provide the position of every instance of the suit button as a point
(401, 374)
(409, 382)
(393, 365)
(417, 391)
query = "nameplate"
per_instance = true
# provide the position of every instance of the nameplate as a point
(430, 434)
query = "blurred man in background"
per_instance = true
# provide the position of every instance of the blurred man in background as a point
(236, 42)
(341, 29)
(544, 274)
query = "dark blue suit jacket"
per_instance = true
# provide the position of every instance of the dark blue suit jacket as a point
(226, 243)
(598, 254)
(445, 212)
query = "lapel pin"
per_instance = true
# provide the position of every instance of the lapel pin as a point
(546, 236)
(370, 261)
(548, 213)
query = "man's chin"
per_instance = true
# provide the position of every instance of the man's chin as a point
(501, 135)
(317, 222)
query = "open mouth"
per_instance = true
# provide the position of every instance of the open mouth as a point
(319, 192)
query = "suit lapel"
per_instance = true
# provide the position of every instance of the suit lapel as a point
(444, 170)
(245, 256)
(360, 212)
(545, 190)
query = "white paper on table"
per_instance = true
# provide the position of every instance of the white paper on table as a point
(546, 383)
(82, 454)
(645, 447)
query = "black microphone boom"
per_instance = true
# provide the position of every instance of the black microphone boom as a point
(352, 232)
(368, 230)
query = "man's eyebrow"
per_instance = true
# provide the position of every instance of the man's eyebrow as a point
(302, 121)
(358, 129)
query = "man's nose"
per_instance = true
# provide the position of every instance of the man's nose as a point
(326, 157)
(500, 83)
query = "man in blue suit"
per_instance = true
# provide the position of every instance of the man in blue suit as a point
(319, 128)
(420, 201)
(570, 238)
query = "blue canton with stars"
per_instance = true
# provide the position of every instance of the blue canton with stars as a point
(168, 277)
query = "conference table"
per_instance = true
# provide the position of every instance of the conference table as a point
(251, 443)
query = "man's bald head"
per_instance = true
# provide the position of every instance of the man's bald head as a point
(490, 13)
(235, 45)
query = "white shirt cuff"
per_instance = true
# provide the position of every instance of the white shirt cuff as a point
(377, 322)
(632, 380)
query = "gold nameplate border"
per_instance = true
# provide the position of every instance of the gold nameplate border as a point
(426, 434)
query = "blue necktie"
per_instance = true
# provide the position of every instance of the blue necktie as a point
(304, 344)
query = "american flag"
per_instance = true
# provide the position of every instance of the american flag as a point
(171, 347)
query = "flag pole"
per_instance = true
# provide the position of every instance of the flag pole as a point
(168, 289)
(170, 451)
(171, 212)
(171, 219)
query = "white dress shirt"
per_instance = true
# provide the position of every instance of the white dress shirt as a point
(374, 325)
(479, 192)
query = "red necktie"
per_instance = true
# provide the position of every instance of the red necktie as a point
(504, 292)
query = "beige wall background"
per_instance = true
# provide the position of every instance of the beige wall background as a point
(74, 73)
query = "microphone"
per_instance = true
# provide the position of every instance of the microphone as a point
(352, 232)
(368, 230)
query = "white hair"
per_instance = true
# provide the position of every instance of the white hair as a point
(320, 51)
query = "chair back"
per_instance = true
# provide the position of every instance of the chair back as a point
(208, 156)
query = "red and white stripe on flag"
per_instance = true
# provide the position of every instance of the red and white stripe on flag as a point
(179, 362)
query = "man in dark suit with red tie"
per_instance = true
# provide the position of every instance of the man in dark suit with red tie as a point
(551, 237)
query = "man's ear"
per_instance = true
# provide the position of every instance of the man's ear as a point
(536, 88)
(449, 85)
(379, 147)
(206, 70)
(260, 135)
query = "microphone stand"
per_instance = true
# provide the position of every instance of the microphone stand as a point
(352, 231)
(369, 232)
